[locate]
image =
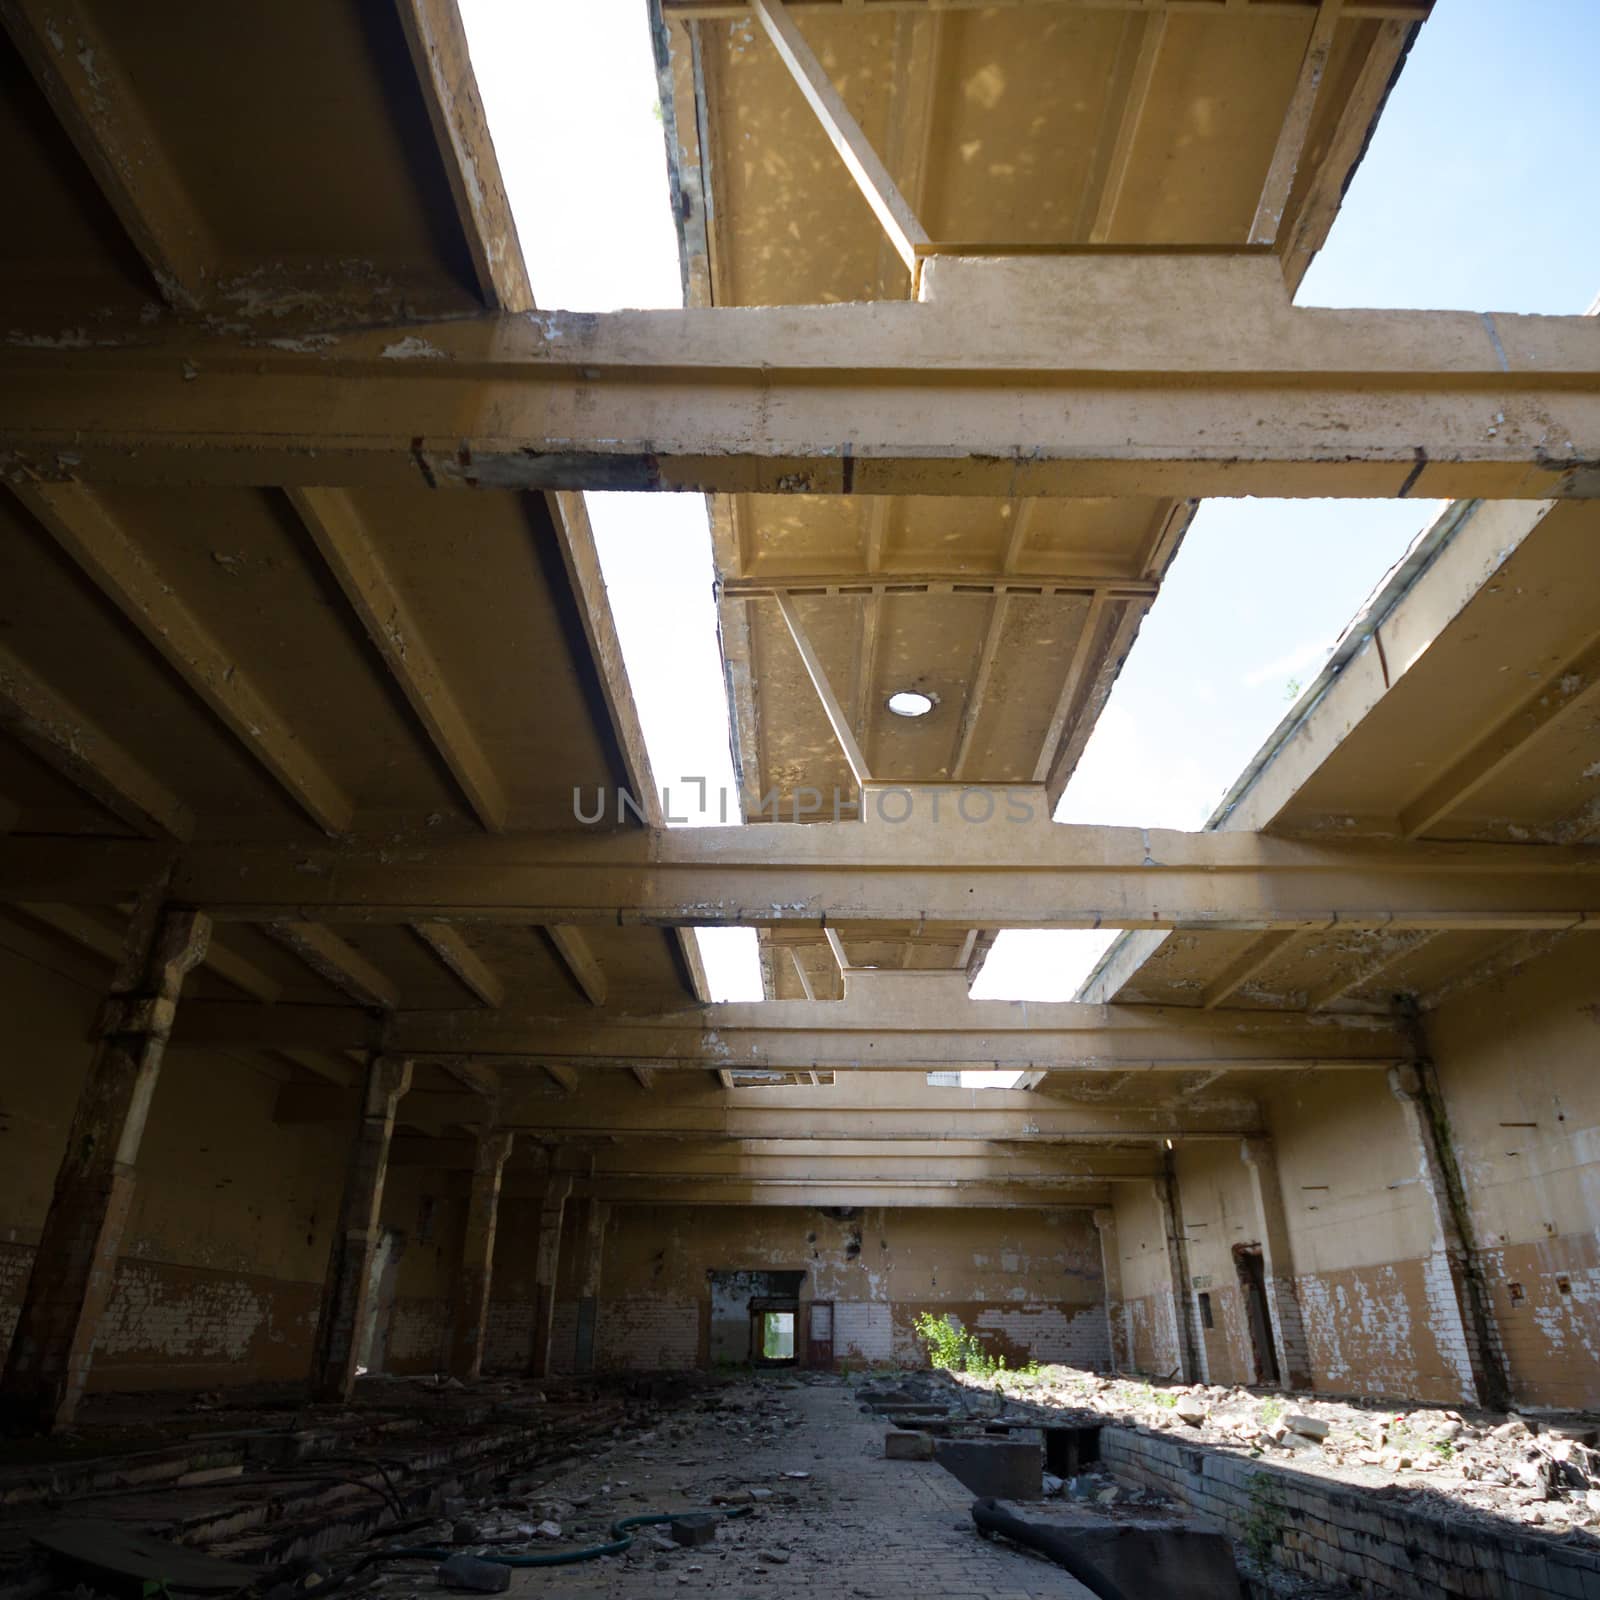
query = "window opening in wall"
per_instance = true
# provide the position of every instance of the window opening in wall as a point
(1206, 1318)
(1253, 1289)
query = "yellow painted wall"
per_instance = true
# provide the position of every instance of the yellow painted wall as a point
(1519, 1064)
(228, 1235)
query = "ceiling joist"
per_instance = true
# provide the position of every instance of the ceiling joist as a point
(108, 553)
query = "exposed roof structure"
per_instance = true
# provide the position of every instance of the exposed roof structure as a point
(1057, 126)
(197, 661)
(1462, 705)
(305, 648)
(450, 673)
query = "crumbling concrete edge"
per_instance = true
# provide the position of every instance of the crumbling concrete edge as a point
(1338, 1534)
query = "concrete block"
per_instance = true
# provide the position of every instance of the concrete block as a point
(694, 1528)
(901, 1445)
(1566, 1579)
(480, 1577)
(1007, 1469)
(1125, 1558)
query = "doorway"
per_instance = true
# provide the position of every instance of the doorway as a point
(1258, 1318)
(755, 1313)
(772, 1337)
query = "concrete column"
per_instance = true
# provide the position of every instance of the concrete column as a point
(1283, 1302)
(1111, 1277)
(345, 1290)
(1457, 1297)
(548, 1261)
(593, 1246)
(76, 1261)
(470, 1312)
(1191, 1360)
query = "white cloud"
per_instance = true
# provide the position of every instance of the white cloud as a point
(1311, 654)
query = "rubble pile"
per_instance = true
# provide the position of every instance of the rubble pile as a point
(1540, 1471)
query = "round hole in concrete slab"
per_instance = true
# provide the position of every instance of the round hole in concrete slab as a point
(911, 703)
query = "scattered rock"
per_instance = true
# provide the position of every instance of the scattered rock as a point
(1306, 1427)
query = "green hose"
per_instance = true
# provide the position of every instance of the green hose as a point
(619, 1541)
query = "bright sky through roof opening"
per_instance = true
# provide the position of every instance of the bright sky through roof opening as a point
(1455, 205)
(585, 172)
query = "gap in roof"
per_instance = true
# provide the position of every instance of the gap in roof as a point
(571, 100)
(1450, 208)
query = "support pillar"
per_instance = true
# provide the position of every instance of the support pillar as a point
(1111, 1277)
(470, 1313)
(1283, 1301)
(348, 1283)
(593, 1246)
(552, 1211)
(76, 1262)
(1458, 1300)
(1191, 1363)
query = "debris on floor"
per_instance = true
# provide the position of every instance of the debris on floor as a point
(1537, 1471)
(725, 1482)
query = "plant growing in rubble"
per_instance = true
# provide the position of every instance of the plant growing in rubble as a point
(952, 1349)
(1271, 1410)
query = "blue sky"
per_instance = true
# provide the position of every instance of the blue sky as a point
(1477, 193)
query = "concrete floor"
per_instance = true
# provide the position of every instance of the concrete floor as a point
(857, 1526)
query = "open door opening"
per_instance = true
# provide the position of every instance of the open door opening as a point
(776, 1330)
(773, 1324)
(1253, 1291)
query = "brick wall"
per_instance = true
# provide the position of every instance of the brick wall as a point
(417, 1330)
(1154, 1334)
(1545, 1304)
(1384, 1330)
(1350, 1537)
(168, 1326)
(863, 1332)
(508, 1336)
(1030, 1331)
(564, 1338)
(647, 1334)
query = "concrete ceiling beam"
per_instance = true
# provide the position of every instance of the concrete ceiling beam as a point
(934, 869)
(98, 106)
(889, 1021)
(1184, 374)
